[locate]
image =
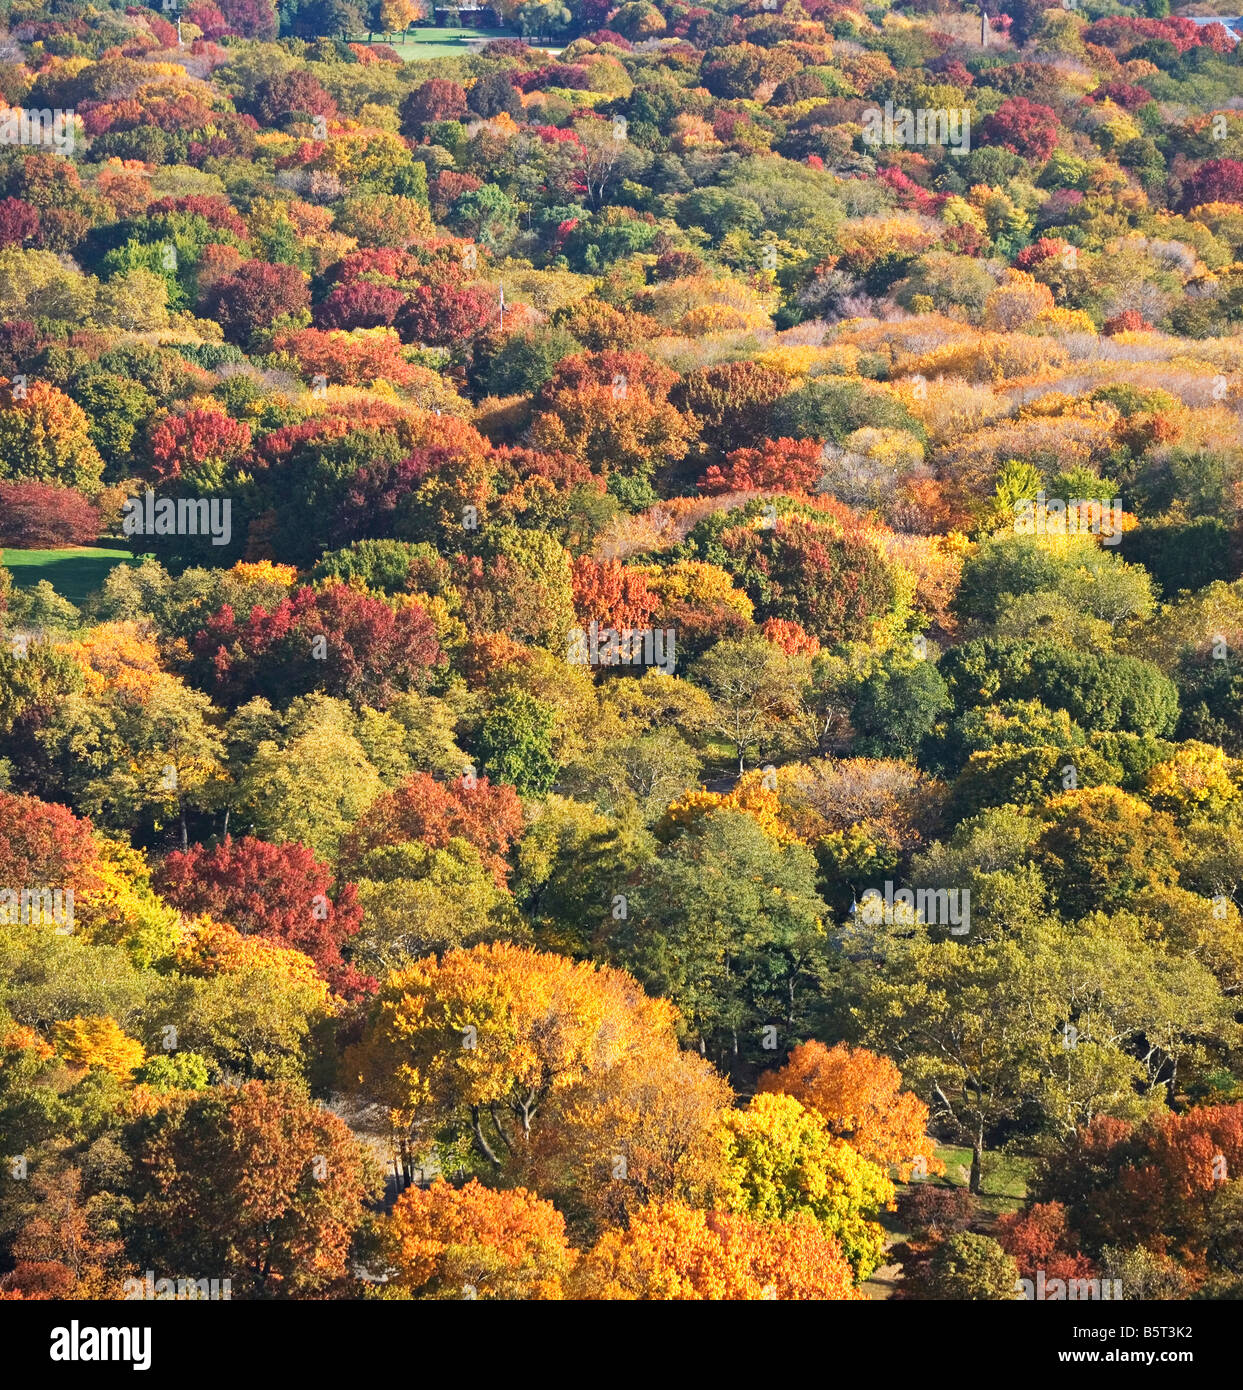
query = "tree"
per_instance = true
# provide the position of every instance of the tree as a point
(307, 783)
(294, 95)
(447, 316)
(966, 1266)
(45, 516)
(332, 17)
(1181, 555)
(130, 752)
(66, 1245)
(515, 742)
(733, 400)
(897, 707)
(494, 95)
(645, 1130)
(359, 304)
(1076, 567)
(670, 1251)
(831, 408)
(253, 296)
(1040, 1239)
(776, 465)
(436, 100)
(831, 579)
(519, 584)
(639, 20)
(524, 361)
(19, 222)
(611, 595)
(280, 892)
(334, 639)
(388, 219)
(487, 215)
(728, 924)
(758, 694)
(1214, 181)
(972, 1067)
(473, 1241)
(45, 437)
(480, 1041)
(1102, 846)
(354, 359)
(198, 446)
(1025, 127)
(252, 19)
(42, 843)
(417, 901)
(784, 1164)
(860, 1098)
(432, 813)
(611, 410)
(1158, 1185)
(1101, 691)
(253, 1181)
(543, 18)
(117, 408)
(98, 1042)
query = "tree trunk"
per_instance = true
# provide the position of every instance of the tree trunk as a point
(484, 1147)
(977, 1163)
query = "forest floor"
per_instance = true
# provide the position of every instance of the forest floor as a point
(1004, 1188)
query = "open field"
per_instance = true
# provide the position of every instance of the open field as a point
(418, 44)
(75, 573)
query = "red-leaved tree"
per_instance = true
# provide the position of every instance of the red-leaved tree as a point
(486, 816)
(778, 465)
(611, 594)
(197, 441)
(1215, 181)
(43, 845)
(253, 296)
(45, 516)
(1025, 127)
(359, 304)
(281, 892)
(445, 316)
(335, 639)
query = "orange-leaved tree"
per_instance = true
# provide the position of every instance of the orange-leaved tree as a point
(859, 1096)
(677, 1252)
(476, 1242)
(480, 1040)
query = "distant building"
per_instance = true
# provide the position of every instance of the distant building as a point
(1233, 27)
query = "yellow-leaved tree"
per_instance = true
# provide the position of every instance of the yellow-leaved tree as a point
(98, 1042)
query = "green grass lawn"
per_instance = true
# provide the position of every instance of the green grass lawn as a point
(1004, 1184)
(418, 44)
(75, 573)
